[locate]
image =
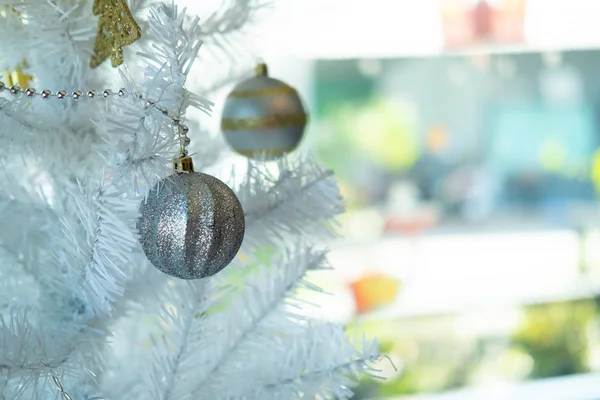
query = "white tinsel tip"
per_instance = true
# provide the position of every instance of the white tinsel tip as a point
(299, 199)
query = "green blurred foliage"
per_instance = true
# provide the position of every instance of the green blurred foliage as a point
(381, 133)
(595, 171)
(552, 340)
(384, 130)
(555, 335)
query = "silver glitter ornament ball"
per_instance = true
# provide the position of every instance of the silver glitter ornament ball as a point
(191, 225)
(263, 118)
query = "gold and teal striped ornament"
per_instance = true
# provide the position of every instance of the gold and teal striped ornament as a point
(263, 117)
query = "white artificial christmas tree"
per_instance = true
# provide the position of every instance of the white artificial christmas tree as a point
(83, 314)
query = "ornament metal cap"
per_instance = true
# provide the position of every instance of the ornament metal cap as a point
(261, 69)
(183, 163)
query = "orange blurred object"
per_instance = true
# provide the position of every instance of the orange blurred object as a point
(374, 291)
(437, 139)
(414, 224)
(408, 226)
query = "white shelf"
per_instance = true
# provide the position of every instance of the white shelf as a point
(575, 387)
(463, 272)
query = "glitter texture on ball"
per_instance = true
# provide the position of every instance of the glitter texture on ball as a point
(191, 225)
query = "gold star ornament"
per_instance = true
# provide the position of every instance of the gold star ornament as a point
(116, 29)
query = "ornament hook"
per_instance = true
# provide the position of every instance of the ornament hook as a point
(183, 163)
(261, 69)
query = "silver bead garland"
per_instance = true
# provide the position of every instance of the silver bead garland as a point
(92, 94)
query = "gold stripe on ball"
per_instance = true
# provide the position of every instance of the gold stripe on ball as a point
(268, 122)
(265, 152)
(270, 91)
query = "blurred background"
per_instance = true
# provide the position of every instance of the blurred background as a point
(465, 136)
